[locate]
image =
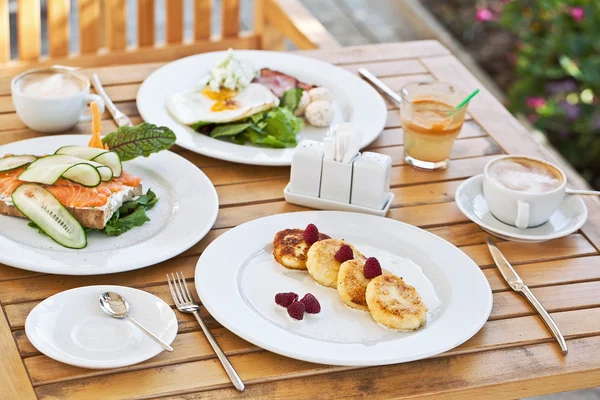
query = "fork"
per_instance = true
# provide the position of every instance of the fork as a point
(185, 303)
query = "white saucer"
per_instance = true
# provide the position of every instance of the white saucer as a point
(569, 217)
(71, 328)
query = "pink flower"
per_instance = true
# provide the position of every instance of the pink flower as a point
(577, 13)
(535, 102)
(483, 14)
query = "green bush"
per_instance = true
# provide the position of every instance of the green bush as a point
(557, 77)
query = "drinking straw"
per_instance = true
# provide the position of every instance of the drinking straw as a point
(469, 97)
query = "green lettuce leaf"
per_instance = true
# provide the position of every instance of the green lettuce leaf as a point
(228, 130)
(291, 98)
(130, 142)
(131, 214)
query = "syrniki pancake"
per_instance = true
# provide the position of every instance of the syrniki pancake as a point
(290, 249)
(352, 284)
(321, 262)
(395, 304)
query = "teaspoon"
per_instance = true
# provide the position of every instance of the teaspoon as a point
(116, 306)
(583, 192)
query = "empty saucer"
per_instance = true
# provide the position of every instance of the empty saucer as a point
(569, 217)
(71, 328)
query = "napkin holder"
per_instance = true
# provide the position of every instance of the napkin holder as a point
(362, 185)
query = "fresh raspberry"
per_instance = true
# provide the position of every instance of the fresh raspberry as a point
(311, 304)
(285, 299)
(311, 234)
(344, 254)
(372, 268)
(296, 310)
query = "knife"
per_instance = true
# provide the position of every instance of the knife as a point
(515, 282)
(120, 118)
(365, 73)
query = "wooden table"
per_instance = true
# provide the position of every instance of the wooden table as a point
(512, 356)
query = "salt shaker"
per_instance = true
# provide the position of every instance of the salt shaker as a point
(371, 180)
(336, 180)
(307, 163)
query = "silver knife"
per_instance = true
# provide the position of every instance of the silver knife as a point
(380, 85)
(515, 282)
(120, 118)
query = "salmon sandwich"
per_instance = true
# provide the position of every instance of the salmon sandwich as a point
(79, 188)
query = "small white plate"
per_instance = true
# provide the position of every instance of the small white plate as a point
(71, 328)
(186, 211)
(238, 289)
(569, 217)
(355, 101)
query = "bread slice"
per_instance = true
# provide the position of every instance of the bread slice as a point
(89, 217)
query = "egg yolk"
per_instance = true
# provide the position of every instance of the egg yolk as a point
(224, 99)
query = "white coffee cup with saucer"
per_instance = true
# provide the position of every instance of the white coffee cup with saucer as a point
(523, 191)
(567, 217)
(52, 100)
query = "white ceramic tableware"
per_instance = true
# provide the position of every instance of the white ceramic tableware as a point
(239, 290)
(70, 327)
(186, 211)
(51, 114)
(568, 218)
(520, 208)
(355, 101)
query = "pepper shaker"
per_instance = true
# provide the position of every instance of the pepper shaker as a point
(307, 163)
(371, 180)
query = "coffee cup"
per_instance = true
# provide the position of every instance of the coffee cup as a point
(523, 191)
(52, 100)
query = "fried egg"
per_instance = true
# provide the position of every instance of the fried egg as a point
(222, 106)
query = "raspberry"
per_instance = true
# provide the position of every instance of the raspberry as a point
(311, 304)
(311, 234)
(344, 254)
(296, 310)
(285, 299)
(372, 268)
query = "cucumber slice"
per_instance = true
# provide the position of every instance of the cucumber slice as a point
(87, 153)
(104, 157)
(111, 160)
(41, 207)
(14, 162)
(49, 169)
(84, 174)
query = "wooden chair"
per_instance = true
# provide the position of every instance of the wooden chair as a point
(103, 41)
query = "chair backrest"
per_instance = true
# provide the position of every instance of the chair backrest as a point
(103, 30)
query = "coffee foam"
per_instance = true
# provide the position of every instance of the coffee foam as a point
(50, 84)
(525, 175)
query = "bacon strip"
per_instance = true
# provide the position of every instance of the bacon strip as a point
(278, 82)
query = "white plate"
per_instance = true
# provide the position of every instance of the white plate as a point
(238, 289)
(186, 211)
(569, 217)
(355, 101)
(71, 328)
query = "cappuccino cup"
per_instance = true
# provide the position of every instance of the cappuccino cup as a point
(52, 100)
(523, 191)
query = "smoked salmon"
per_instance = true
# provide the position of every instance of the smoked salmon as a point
(71, 194)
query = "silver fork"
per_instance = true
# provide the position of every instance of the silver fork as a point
(185, 303)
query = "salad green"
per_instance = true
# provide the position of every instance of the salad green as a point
(130, 142)
(277, 127)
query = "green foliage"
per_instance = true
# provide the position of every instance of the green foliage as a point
(130, 142)
(557, 74)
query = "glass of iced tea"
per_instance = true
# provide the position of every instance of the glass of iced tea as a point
(431, 122)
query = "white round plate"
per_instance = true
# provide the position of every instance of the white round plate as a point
(70, 327)
(186, 211)
(569, 217)
(355, 101)
(238, 289)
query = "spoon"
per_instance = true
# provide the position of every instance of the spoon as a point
(583, 192)
(116, 306)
